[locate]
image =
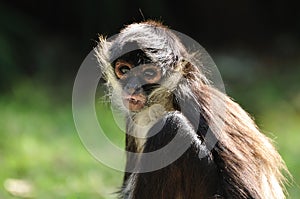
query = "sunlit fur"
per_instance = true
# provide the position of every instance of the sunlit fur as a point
(247, 160)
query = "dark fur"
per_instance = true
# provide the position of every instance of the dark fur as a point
(242, 164)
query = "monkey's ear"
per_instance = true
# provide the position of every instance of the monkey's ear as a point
(191, 71)
(186, 68)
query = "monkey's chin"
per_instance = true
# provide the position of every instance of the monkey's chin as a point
(134, 102)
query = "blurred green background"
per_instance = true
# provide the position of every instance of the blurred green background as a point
(255, 44)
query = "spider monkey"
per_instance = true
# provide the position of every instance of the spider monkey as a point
(165, 96)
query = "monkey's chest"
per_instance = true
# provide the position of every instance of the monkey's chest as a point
(142, 123)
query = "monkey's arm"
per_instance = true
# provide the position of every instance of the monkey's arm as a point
(193, 175)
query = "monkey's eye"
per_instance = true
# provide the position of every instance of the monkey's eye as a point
(151, 74)
(121, 68)
(124, 69)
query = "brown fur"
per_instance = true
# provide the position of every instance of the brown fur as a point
(249, 158)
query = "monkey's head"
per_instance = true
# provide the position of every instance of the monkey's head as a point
(144, 64)
(138, 77)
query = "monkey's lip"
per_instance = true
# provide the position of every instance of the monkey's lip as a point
(134, 102)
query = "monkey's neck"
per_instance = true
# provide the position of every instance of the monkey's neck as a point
(140, 123)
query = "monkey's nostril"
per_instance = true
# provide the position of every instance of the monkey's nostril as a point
(132, 90)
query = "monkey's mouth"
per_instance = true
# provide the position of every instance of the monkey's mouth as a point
(134, 102)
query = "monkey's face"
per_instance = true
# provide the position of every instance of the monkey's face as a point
(138, 78)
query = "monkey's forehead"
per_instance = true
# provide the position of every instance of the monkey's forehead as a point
(159, 43)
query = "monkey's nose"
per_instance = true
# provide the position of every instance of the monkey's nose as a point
(132, 90)
(133, 86)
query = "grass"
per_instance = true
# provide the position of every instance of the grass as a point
(39, 145)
